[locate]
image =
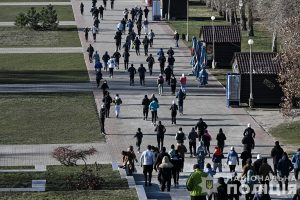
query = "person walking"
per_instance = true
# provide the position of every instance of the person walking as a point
(146, 11)
(146, 43)
(249, 130)
(183, 81)
(201, 126)
(217, 159)
(165, 169)
(173, 109)
(117, 101)
(105, 59)
(151, 36)
(173, 83)
(160, 134)
(176, 38)
(130, 26)
(206, 138)
(248, 173)
(96, 57)
(233, 183)
(181, 97)
(168, 72)
(245, 155)
(145, 26)
(180, 136)
(117, 57)
(107, 100)
(105, 4)
(81, 8)
(159, 158)
(137, 44)
(132, 13)
(132, 72)
(139, 137)
(86, 33)
(153, 106)
(111, 66)
(208, 169)
(162, 61)
(96, 24)
(276, 154)
(221, 193)
(171, 61)
(170, 52)
(118, 39)
(139, 27)
(104, 87)
(160, 84)
(296, 163)
(147, 161)
(145, 103)
(181, 148)
(90, 51)
(177, 162)
(232, 159)
(284, 168)
(221, 137)
(94, 32)
(201, 153)
(194, 183)
(257, 164)
(101, 11)
(98, 77)
(112, 4)
(126, 56)
(150, 61)
(125, 13)
(142, 72)
(102, 116)
(248, 143)
(192, 142)
(264, 171)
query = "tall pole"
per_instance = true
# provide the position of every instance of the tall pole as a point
(169, 5)
(250, 42)
(187, 20)
(213, 30)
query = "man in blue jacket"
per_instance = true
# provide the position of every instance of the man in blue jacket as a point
(296, 163)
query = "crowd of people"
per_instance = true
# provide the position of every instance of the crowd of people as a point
(169, 163)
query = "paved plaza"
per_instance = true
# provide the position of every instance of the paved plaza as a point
(206, 102)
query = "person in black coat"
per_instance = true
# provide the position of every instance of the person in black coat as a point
(102, 119)
(132, 72)
(171, 61)
(249, 130)
(162, 61)
(105, 59)
(81, 8)
(276, 154)
(221, 139)
(145, 104)
(137, 44)
(139, 136)
(146, 11)
(101, 10)
(150, 61)
(284, 168)
(165, 173)
(173, 83)
(245, 155)
(90, 51)
(146, 43)
(248, 143)
(173, 109)
(221, 190)
(126, 56)
(168, 72)
(201, 126)
(142, 72)
(107, 100)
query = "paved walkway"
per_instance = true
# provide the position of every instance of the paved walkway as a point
(35, 3)
(62, 23)
(42, 50)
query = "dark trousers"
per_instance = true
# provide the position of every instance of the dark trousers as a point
(296, 172)
(192, 146)
(91, 58)
(145, 112)
(206, 146)
(286, 182)
(146, 51)
(142, 80)
(164, 183)
(137, 51)
(173, 88)
(111, 72)
(173, 118)
(94, 36)
(198, 198)
(151, 42)
(107, 109)
(154, 116)
(232, 168)
(175, 174)
(147, 169)
(131, 81)
(126, 62)
(102, 120)
(160, 142)
(150, 69)
(101, 16)
(162, 69)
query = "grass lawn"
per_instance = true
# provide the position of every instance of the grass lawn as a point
(287, 133)
(65, 36)
(9, 1)
(112, 187)
(9, 13)
(220, 74)
(49, 119)
(42, 68)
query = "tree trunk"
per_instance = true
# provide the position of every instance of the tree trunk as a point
(235, 17)
(274, 41)
(250, 20)
(208, 3)
(243, 18)
(232, 19)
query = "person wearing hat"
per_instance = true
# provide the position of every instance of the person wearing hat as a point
(232, 159)
(257, 164)
(249, 130)
(194, 183)
(173, 109)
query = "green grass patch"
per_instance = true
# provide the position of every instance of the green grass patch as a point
(49, 119)
(42, 68)
(220, 74)
(16, 167)
(9, 13)
(128, 194)
(65, 36)
(287, 133)
(199, 15)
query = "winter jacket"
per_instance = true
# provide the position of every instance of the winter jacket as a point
(153, 106)
(193, 183)
(276, 154)
(221, 139)
(221, 192)
(232, 158)
(142, 71)
(105, 58)
(111, 63)
(160, 131)
(160, 80)
(146, 103)
(209, 171)
(201, 126)
(206, 139)
(181, 96)
(264, 170)
(131, 71)
(150, 61)
(180, 137)
(159, 159)
(192, 136)
(296, 160)
(284, 167)
(250, 131)
(248, 142)
(174, 109)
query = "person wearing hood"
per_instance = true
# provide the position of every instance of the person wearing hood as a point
(160, 84)
(181, 97)
(203, 77)
(221, 139)
(193, 184)
(221, 193)
(192, 142)
(180, 136)
(168, 72)
(201, 153)
(165, 173)
(145, 103)
(160, 52)
(117, 101)
(153, 106)
(102, 119)
(276, 154)
(96, 57)
(284, 168)
(296, 163)
(170, 52)
(249, 130)
(173, 109)
(90, 51)
(232, 159)
(111, 66)
(206, 138)
(150, 60)
(98, 76)
(217, 159)
(105, 59)
(248, 143)
(171, 61)
(162, 61)
(257, 164)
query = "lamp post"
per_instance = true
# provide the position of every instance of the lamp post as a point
(213, 29)
(187, 20)
(250, 42)
(169, 5)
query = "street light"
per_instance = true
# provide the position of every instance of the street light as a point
(213, 29)
(251, 42)
(187, 20)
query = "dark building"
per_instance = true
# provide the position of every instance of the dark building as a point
(265, 87)
(227, 42)
(178, 8)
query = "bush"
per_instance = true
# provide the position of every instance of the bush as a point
(45, 20)
(69, 157)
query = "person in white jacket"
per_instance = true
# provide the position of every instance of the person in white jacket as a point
(232, 159)
(111, 65)
(147, 161)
